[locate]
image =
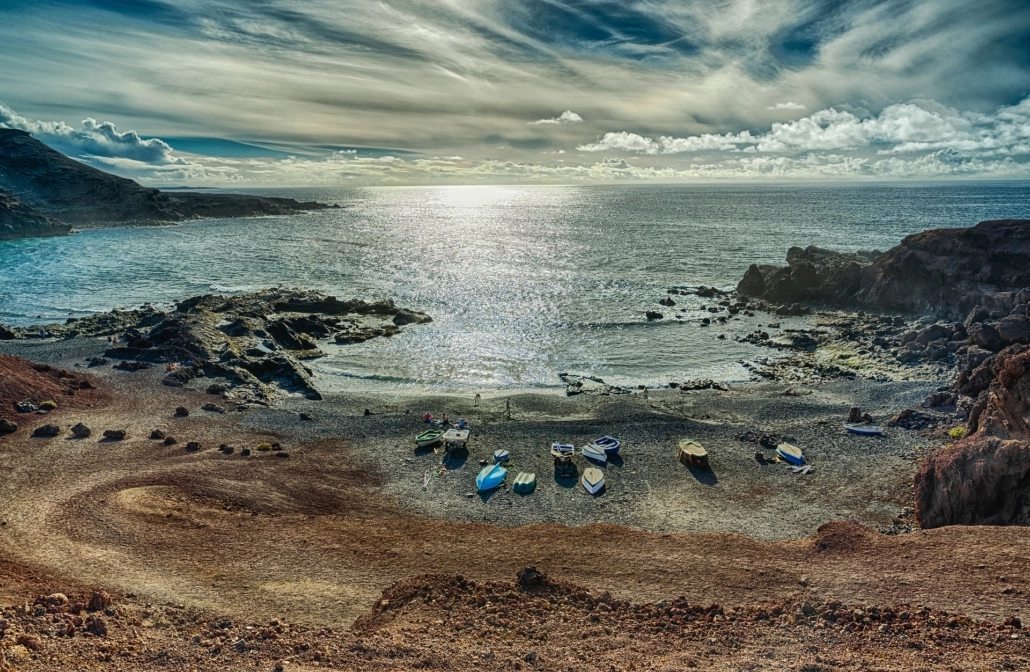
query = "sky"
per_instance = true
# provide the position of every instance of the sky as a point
(361, 92)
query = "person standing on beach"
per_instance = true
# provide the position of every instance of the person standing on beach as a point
(477, 400)
(507, 407)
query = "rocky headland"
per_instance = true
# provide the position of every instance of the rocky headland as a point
(250, 347)
(18, 220)
(71, 193)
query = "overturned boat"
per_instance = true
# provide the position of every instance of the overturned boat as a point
(592, 452)
(692, 453)
(593, 480)
(501, 455)
(864, 430)
(490, 477)
(524, 483)
(790, 453)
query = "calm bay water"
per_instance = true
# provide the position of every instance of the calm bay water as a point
(523, 282)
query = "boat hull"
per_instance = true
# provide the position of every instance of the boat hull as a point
(593, 480)
(862, 430)
(608, 444)
(490, 477)
(595, 454)
(524, 483)
(790, 454)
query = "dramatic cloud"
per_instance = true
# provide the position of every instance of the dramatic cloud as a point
(568, 116)
(93, 138)
(787, 106)
(906, 128)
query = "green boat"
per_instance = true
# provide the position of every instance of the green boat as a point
(524, 482)
(428, 437)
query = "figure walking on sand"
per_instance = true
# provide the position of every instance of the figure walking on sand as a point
(477, 400)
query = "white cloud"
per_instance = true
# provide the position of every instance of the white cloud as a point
(787, 106)
(904, 128)
(568, 116)
(622, 142)
(93, 139)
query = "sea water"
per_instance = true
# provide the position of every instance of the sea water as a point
(522, 282)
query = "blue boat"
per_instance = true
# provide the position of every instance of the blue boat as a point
(864, 430)
(501, 455)
(490, 477)
(608, 444)
(790, 453)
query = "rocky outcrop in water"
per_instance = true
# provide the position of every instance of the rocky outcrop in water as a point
(73, 193)
(946, 271)
(18, 220)
(254, 345)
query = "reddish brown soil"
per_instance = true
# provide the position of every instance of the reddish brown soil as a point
(202, 537)
(21, 380)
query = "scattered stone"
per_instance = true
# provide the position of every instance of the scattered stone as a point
(227, 449)
(217, 388)
(95, 623)
(857, 416)
(282, 453)
(82, 431)
(26, 407)
(214, 408)
(307, 416)
(182, 412)
(157, 434)
(653, 315)
(245, 452)
(114, 434)
(127, 365)
(667, 301)
(46, 431)
(192, 446)
(8, 427)
(170, 441)
(98, 361)
(99, 601)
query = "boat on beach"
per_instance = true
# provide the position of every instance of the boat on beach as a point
(692, 453)
(593, 480)
(790, 453)
(524, 483)
(490, 477)
(592, 452)
(562, 451)
(501, 455)
(428, 437)
(455, 438)
(608, 444)
(864, 430)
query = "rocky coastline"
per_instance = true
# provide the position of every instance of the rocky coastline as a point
(250, 348)
(56, 192)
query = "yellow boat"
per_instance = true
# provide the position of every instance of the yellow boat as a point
(692, 454)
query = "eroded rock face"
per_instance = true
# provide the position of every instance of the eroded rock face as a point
(985, 478)
(947, 271)
(18, 220)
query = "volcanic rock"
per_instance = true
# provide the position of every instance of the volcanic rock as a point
(49, 184)
(6, 334)
(192, 446)
(99, 601)
(157, 434)
(46, 431)
(170, 441)
(8, 427)
(114, 434)
(82, 431)
(181, 412)
(213, 408)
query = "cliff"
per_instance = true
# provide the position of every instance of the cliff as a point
(77, 194)
(18, 220)
(947, 271)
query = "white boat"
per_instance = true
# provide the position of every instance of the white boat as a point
(563, 451)
(864, 430)
(456, 437)
(592, 452)
(501, 455)
(593, 480)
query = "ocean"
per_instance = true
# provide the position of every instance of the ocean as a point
(522, 282)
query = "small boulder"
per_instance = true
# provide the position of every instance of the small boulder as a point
(653, 315)
(82, 431)
(95, 624)
(8, 427)
(157, 435)
(1014, 329)
(307, 416)
(245, 452)
(192, 446)
(976, 315)
(170, 441)
(182, 412)
(99, 601)
(213, 408)
(26, 407)
(98, 361)
(667, 301)
(932, 333)
(114, 434)
(6, 334)
(217, 388)
(986, 336)
(46, 431)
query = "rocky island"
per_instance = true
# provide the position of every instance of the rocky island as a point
(54, 192)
